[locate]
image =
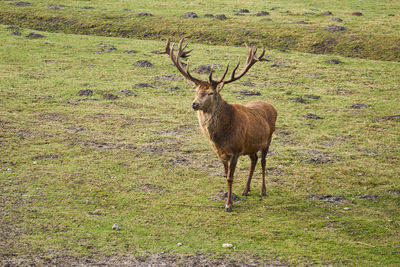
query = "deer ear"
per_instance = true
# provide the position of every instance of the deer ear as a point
(191, 84)
(219, 87)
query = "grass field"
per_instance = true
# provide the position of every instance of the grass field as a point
(294, 25)
(73, 165)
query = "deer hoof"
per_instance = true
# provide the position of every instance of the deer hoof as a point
(228, 208)
(263, 194)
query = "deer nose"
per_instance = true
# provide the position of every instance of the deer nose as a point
(195, 106)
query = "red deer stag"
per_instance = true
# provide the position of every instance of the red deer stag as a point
(232, 129)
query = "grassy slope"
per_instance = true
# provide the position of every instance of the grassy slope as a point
(373, 35)
(142, 161)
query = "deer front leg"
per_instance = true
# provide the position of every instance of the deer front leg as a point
(229, 179)
(226, 164)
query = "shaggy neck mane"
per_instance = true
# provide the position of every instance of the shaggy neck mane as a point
(216, 123)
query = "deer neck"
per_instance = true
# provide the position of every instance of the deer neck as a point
(215, 123)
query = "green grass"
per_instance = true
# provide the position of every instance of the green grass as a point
(142, 161)
(373, 35)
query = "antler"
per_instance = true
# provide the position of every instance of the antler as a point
(167, 50)
(250, 61)
(176, 59)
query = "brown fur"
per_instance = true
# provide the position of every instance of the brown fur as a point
(232, 129)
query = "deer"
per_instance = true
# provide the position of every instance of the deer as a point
(232, 129)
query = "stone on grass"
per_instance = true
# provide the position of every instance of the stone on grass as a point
(227, 245)
(115, 227)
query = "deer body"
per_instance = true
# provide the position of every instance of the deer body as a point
(232, 129)
(235, 128)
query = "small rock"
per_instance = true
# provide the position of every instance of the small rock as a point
(86, 92)
(346, 208)
(191, 15)
(334, 28)
(115, 227)
(96, 212)
(35, 162)
(336, 19)
(109, 96)
(34, 35)
(358, 14)
(221, 17)
(326, 13)
(179, 244)
(143, 64)
(9, 169)
(227, 245)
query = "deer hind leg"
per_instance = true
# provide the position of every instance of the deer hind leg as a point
(229, 179)
(263, 162)
(253, 159)
(226, 163)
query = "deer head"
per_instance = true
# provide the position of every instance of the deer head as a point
(207, 92)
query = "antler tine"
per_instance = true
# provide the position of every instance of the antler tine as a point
(226, 71)
(210, 75)
(250, 61)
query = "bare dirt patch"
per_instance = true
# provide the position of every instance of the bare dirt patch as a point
(387, 118)
(190, 15)
(86, 92)
(312, 116)
(168, 77)
(223, 195)
(334, 28)
(21, 3)
(247, 93)
(34, 36)
(143, 64)
(328, 198)
(359, 106)
(369, 197)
